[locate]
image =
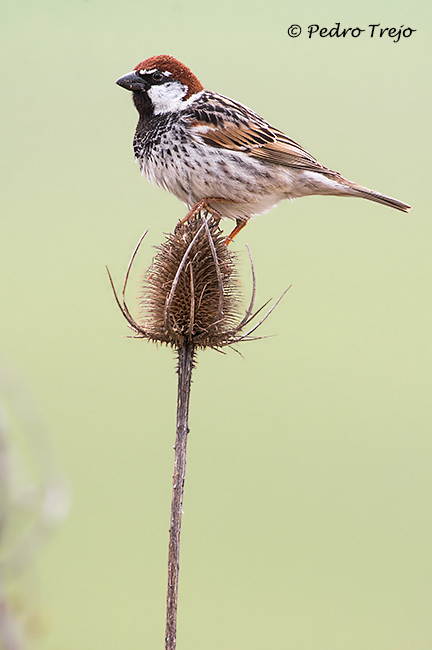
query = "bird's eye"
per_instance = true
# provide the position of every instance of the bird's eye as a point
(157, 76)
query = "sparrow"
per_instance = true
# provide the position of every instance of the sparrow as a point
(216, 154)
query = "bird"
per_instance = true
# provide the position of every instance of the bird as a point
(216, 154)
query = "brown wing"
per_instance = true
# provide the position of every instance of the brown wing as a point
(237, 128)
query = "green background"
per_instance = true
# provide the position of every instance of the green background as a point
(307, 513)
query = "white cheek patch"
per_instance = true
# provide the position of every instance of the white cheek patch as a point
(167, 97)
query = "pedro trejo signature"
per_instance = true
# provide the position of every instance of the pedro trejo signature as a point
(374, 30)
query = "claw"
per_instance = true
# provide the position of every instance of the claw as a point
(204, 204)
(240, 224)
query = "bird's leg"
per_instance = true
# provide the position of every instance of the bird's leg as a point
(240, 224)
(204, 204)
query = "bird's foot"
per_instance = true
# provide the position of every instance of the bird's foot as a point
(240, 224)
(204, 204)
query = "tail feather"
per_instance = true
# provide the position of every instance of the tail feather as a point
(365, 193)
(332, 183)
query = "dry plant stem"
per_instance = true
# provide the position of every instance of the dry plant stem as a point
(191, 301)
(184, 370)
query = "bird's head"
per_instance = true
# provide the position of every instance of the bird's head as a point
(160, 84)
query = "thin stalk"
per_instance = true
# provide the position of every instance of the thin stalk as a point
(184, 370)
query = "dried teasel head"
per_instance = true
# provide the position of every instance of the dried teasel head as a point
(191, 291)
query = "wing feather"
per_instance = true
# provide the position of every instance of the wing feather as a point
(237, 128)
